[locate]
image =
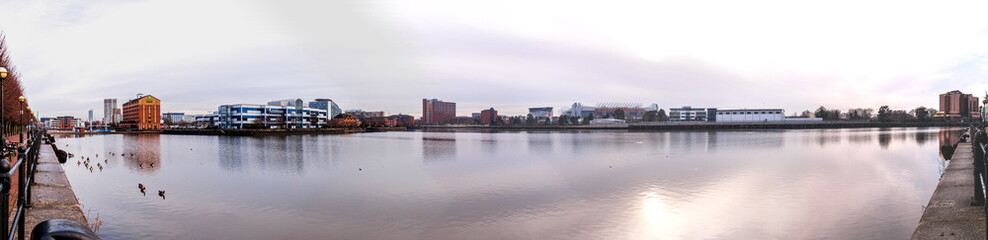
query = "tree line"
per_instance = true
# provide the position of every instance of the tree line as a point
(15, 116)
(884, 114)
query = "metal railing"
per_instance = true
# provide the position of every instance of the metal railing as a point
(979, 141)
(24, 168)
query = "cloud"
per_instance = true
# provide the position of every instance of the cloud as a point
(511, 55)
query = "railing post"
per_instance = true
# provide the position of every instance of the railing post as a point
(5, 197)
(31, 161)
(979, 167)
(21, 186)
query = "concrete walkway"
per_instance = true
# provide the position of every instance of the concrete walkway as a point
(52, 195)
(949, 215)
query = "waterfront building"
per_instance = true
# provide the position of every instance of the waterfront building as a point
(540, 112)
(65, 122)
(117, 115)
(750, 115)
(579, 110)
(632, 111)
(435, 111)
(652, 107)
(607, 121)
(276, 114)
(109, 105)
(143, 112)
(362, 114)
(206, 120)
(47, 122)
(173, 118)
(488, 116)
(90, 117)
(687, 113)
(401, 120)
(475, 115)
(327, 104)
(958, 106)
(344, 120)
(462, 120)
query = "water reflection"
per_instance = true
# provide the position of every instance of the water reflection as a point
(884, 139)
(922, 136)
(533, 185)
(439, 147)
(142, 152)
(948, 139)
(232, 158)
(860, 138)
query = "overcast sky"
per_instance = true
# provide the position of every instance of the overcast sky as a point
(510, 55)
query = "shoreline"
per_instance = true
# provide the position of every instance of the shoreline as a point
(634, 127)
(647, 127)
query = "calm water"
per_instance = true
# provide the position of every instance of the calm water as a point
(791, 184)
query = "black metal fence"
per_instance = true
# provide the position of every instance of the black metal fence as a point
(25, 168)
(979, 141)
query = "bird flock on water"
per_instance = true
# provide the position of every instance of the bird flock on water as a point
(87, 164)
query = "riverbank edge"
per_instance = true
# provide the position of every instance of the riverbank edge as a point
(52, 195)
(245, 132)
(644, 127)
(950, 214)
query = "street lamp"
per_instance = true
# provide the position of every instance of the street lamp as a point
(27, 122)
(21, 99)
(3, 76)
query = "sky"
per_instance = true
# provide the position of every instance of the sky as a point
(507, 54)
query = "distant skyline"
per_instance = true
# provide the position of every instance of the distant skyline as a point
(510, 55)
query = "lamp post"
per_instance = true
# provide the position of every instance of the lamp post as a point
(3, 76)
(27, 122)
(21, 99)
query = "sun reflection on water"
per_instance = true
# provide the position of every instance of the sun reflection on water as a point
(658, 219)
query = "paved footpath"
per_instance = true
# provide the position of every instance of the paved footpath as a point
(52, 195)
(949, 215)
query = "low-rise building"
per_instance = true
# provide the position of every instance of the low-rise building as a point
(365, 114)
(687, 113)
(287, 114)
(750, 115)
(344, 120)
(607, 121)
(540, 112)
(206, 120)
(328, 105)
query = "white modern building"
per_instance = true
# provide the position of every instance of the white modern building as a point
(606, 121)
(328, 105)
(687, 113)
(757, 115)
(206, 120)
(579, 110)
(750, 115)
(540, 112)
(276, 114)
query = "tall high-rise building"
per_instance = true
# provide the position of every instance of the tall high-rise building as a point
(957, 106)
(90, 117)
(437, 112)
(142, 113)
(109, 105)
